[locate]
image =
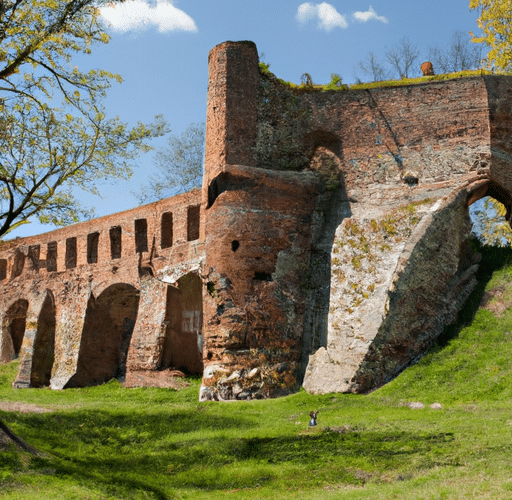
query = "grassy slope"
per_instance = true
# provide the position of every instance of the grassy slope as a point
(109, 442)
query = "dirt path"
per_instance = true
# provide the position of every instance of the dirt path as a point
(22, 407)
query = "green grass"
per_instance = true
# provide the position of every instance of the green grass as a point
(338, 86)
(108, 442)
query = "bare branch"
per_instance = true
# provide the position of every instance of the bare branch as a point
(402, 57)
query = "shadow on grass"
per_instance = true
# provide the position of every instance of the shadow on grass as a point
(157, 454)
(493, 259)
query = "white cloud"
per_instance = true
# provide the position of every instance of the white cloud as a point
(137, 15)
(370, 14)
(328, 16)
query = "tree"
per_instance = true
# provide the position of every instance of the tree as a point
(373, 68)
(489, 223)
(180, 165)
(402, 57)
(54, 133)
(495, 21)
(459, 56)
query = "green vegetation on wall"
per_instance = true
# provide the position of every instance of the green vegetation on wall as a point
(334, 83)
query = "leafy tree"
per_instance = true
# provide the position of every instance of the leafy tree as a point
(54, 133)
(402, 57)
(180, 165)
(495, 21)
(459, 56)
(373, 68)
(489, 223)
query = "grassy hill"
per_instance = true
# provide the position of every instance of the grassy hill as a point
(108, 442)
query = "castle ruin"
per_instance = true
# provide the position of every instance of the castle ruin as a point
(328, 246)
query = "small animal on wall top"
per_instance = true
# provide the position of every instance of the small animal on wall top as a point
(427, 69)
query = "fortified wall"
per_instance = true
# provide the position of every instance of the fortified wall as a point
(328, 246)
(117, 296)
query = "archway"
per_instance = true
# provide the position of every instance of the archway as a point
(14, 327)
(491, 221)
(184, 317)
(325, 154)
(44, 344)
(106, 335)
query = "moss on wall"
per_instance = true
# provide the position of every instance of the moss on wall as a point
(282, 125)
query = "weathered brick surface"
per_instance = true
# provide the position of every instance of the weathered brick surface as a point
(97, 306)
(331, 249)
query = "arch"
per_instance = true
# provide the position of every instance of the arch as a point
(184, 318)
(325, 153)
(106, 335)
(494, 190)
(44, 344)
(14, 327)
(322, 139)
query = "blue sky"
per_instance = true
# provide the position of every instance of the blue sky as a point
(160, 48)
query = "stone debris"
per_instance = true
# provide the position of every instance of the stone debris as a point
(416, 405)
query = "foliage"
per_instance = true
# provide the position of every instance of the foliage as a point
(180, 165)
(489, 223)
(495, 21)
(264, 68)
(460, 55)
(371, 85)
(54, 133)
(336, 82)
(112, 442)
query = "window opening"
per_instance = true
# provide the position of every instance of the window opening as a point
(141, 235)
(193, 215)
(92, 248)
(70, 253)
(19, 263)
(166, 230)
(51, 256)
(115, 242)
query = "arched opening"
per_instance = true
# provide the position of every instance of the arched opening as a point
(106, 335)
(44, 344)
(325, 154)
(14, 326)
(184, 317)
(490, 208)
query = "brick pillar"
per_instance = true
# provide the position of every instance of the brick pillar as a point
(148, 335)
(68, 335)
(232, 108)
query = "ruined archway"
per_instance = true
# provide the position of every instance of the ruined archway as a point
(15, 320)
(44, 344)
(106, 335)
(325, 155)
(184, 316)
(489, 225)
(494, 190)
